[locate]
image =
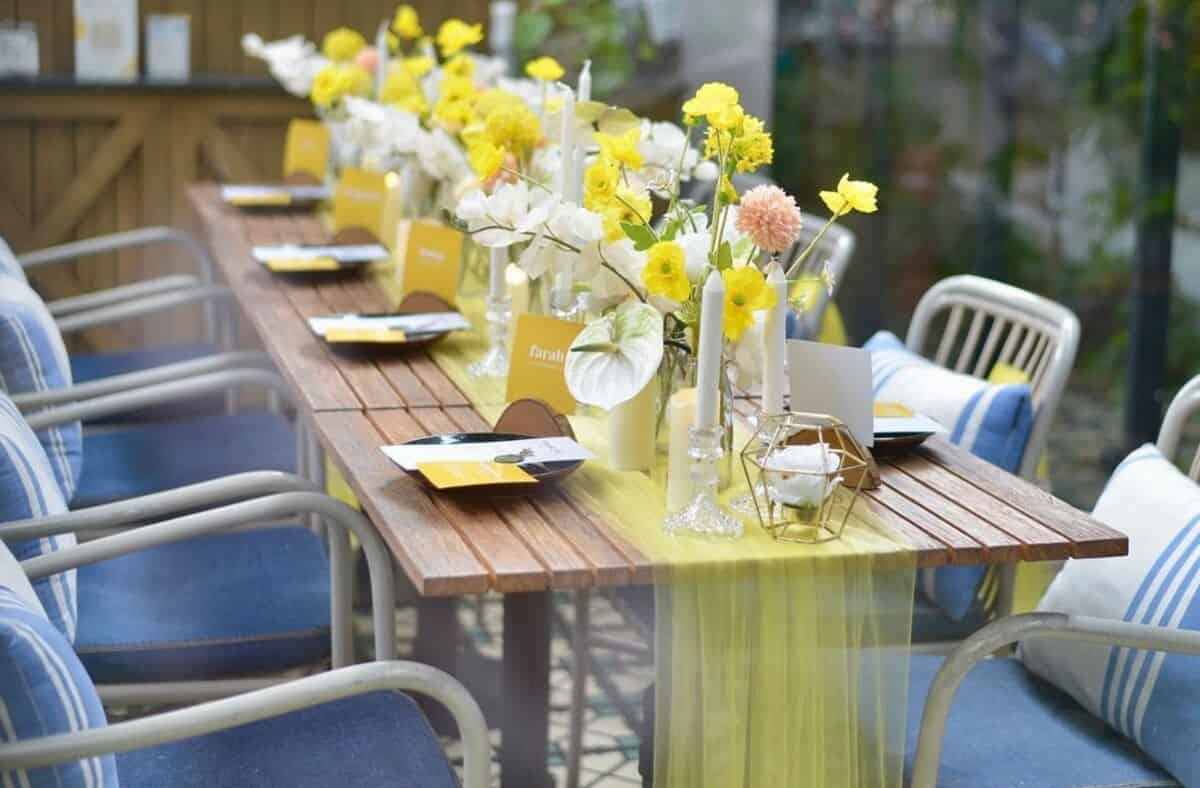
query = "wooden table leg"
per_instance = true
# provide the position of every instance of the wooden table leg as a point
(525, 691)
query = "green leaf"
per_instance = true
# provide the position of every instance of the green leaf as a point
(640, 234)
(724, 256)
(670, 231)
(688, 313)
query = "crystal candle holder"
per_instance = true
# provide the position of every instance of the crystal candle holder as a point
(704, 516)
(494, 363)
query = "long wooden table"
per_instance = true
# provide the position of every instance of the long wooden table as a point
(951, 507)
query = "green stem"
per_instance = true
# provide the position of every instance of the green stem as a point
(798, 261)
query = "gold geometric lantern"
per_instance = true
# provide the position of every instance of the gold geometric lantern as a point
(805, 471)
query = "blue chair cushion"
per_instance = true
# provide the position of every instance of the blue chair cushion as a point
(44, 691)
(216, 606)
(367, 741)
(28, 489)
(139, 459)
(96, 366)
(1008, 728)
(992, 421)
(33, 359)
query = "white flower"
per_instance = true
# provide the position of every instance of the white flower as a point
(706, 170)
(575, 225)
(661, 146)
(293, 61)
(509, 215)
(695, 253)
(746, 366)
(441, 157)
(488, 70)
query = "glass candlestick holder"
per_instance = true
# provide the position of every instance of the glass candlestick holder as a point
(494, 364)
(746, 503)
(704, 516)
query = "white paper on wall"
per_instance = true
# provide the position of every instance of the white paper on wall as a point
(106, 40)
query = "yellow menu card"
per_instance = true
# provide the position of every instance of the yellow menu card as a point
(429, 257)
(359, 200)
(306, 149)
(539, 358)
(293, 264)
(381, 334)
(446, 475)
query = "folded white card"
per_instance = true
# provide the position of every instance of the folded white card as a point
(833, 381)
(346, 253)
(889, 426)
(423, 323)
(256, 191)
(531, 450)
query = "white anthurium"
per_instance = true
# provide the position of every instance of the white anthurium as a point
(615, 357)
(293, 61)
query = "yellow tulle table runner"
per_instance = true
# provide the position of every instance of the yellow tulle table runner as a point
(777, 664)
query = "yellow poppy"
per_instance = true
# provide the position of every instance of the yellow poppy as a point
(337, 80)
(342, 45)
(486, 159)
(418, 65)
(460, 66)
(746, 292)
(665, 273)
(406, 23)
(711, 99)
(456, 35)
(622, 148)
(600, 183)
(851, 196)
(546, 69)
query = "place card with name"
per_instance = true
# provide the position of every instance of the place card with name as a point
(306, 149)
(532, 451)
(385, 328)
(450, 475)
(539, 358)
(359, 200)
(429, 258)
(253, 195)
(290, 257)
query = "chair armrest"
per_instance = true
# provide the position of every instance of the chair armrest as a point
(1008, 631)
(332, 511)
(143, 236)
(242, 359)
(113, 313)
(264, 704)
(135, 399)
(147, 508)
(120, 293)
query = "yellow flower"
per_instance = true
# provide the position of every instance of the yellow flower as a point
(399, 85)
(393, 42)
(626, 206)
(460, 66)
(752, 146)
(453, 114)
(851, 196)
(746, 292)
(406, 23)
(544, 68)
(715, 101)
(486, 158)
(515, 127)
(622, 148)
(336, 80)
(493, 98)
(665, 273)
(418, 65)
(342, 45)
(600, 184)
(455, 35)
(414, 103)
(457, 88)
(726, 189)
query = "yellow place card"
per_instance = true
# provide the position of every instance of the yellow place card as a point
(265, 200)
(293, 264)
(447, 475)
(378, 334)
(539, 358)
(891, 410)
(306, 149)
(359, 200)
(429, 258)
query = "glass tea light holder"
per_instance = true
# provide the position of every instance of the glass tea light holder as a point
(805, 471)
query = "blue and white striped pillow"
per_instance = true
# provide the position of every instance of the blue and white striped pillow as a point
(33, 358)
(9, 265)
(44, 691)
(28, 489)
(1151, 697)
(992, 421)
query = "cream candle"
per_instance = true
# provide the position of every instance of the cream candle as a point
(681, 415)
(631, 432)
(775, 343)
(708, 364)
(497, 281)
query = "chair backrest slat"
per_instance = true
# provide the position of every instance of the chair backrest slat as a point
(1182, 407)
(1034, 335)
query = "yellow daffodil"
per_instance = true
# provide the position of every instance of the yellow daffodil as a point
(337, 80)
(545, 69)
(665, 273)
(456, 35)
(600, 183)
(627, 205)
(406, 23)
(851, 196)
(622, 148)
(418, 65)
(486, 158)
(746, 292)
(460, 66)
(342, 45)
(717, 103)
(514, 127)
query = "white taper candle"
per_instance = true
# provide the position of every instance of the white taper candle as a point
(775, 343)
(566, 178)
(585, 82)
(708, 362)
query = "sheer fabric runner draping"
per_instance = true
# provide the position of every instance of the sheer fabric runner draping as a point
(777, 664)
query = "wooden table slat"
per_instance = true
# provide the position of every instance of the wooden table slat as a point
(961, 547)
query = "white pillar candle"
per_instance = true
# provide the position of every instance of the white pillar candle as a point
(631, 431)
(585, 82)
(497, 282)
(708, 364)
(518, 291)
(775, 343)
(566, 173)
(681, 415)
